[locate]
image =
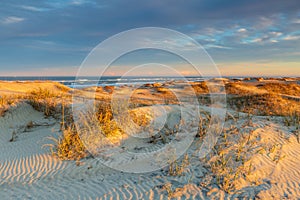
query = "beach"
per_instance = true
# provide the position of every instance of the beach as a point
(256, 154)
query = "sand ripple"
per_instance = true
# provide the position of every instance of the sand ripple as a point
(28, 172)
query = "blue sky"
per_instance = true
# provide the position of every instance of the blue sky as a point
(44, 37)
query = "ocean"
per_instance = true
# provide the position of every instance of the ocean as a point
(79, 82)
(89, 81)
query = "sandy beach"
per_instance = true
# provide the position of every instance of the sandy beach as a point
(256, 156)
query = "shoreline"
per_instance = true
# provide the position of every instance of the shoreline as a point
(134, 81)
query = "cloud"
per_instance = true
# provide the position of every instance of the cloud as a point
(78, 2)
(58, 4)
(208, 46)
(275, 34)
(231, 30)
(12, 20)
(242, 30)
(35, 9)
(292, 37)
(255, 40)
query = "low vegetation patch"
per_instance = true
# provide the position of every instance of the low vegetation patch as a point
(106, 120)
(96, 129)
(282, 88)
(177, 168)
(7, 100)
(264, 104)
(46, 101)
(200, 88)
(230, 159)
(68, 146)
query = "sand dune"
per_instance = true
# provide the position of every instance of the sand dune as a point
(23, 87)
(28, 171)
(283, 175)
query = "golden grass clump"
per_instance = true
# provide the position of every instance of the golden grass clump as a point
(105, 119)
(3, 100)
(45, 101)
(42, 94)
(140, 119)
(94, 128)
(200, 88)
(68, 146)
(7, 100)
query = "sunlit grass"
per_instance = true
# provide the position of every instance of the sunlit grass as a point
(68, 146)
(8, 100)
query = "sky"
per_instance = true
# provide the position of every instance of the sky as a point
(244, 38)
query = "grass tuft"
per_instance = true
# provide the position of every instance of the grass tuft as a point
(68, 146)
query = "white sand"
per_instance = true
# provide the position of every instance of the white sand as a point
(27, 171)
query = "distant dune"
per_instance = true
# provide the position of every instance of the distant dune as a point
(13, 87)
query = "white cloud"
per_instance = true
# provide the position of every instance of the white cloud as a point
(78, 2)
(255, 40)
(208, 46)
(275, 34)
(242, 30)
(32, 8)
(210, 31)
(270, 37)
(12, 19)
(292, 37)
